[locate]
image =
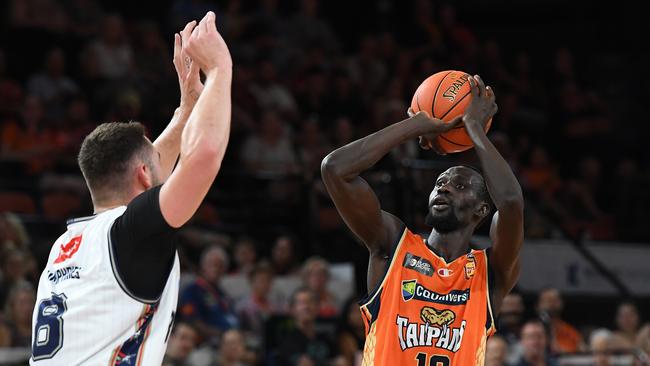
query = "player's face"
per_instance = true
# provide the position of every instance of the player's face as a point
(454, 200)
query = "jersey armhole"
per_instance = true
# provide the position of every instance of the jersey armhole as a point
(116, 272)
(490, 324)
(391, 255)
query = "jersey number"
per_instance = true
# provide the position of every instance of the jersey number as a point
(435, 360)
(48, 331)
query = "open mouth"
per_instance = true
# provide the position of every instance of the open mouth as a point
(440, 203)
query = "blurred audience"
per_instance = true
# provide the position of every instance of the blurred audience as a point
(16, 331)
(315, 273)
(535, 344)
(203, 303)
(564, 338)
(182, 341)
(303, 344)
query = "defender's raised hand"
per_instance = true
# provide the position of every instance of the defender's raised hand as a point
(207, 48)
(189, 78)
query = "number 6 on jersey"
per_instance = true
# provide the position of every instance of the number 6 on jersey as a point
(48, 339)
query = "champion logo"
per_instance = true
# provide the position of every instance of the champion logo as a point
(445, 272)
(68, 250)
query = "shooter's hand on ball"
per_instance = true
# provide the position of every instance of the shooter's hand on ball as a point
(432, 127)
(482, 107)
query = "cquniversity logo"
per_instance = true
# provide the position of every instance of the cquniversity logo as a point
(408, 289)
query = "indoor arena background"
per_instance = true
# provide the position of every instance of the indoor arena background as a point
(572, 86)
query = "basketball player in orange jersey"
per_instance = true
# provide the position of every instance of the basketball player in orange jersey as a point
(433, 301)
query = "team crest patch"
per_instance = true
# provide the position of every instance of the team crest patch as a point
(470, 266)
(66, 251)
(439, 318)
(418, 264)
(408, 289)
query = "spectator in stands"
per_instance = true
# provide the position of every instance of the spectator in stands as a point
(12, 235)
(182, 342)
(52, 85)
(303, 344)
(316, 275)
(30, 139)
(627, 325)
(534, 344)
(12, 272)
(232, 350)
(203, 302)
(269, 153)
(509, 322)
(564, 337)
(313, 147)
(496, 351)
(283, 256)
(643, 341)
(48, 15)
(17, 329)
(257, 306)
(113, 53)
(600, 345)
(245, 255)
(351, 333)
(270, 93)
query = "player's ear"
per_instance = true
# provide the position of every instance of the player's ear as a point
(144, 176)
(482, 210)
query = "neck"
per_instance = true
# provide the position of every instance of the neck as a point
(450, 245)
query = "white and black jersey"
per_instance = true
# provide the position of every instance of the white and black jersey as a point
(109, 291)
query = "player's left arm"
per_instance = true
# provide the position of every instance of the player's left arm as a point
(169, 142)
(507, 229)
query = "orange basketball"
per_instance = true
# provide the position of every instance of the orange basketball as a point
(445, 95)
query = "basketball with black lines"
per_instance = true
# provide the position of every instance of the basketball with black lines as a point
(445, 95)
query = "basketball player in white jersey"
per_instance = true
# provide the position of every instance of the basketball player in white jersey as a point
(109, 290)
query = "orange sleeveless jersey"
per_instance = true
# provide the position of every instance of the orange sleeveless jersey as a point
(427, 312)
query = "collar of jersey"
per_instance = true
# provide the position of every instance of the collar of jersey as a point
(80, 219)
(433, 251)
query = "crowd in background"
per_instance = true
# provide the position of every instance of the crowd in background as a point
(257, 258)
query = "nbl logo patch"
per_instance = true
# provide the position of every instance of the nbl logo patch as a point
(418, 264)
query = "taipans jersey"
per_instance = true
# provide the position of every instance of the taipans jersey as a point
(84, 314)
(427, 312)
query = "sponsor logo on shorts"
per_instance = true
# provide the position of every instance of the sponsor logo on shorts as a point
(63, 274)
(411, 289)
(418, 264)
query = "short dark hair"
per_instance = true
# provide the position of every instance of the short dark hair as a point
(106, 152)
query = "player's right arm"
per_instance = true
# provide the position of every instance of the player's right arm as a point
(205, 136)
(353, 197)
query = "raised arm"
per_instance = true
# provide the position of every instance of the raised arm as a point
(205, 136)
(507, 230)
(353, 197)
(169, 142)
